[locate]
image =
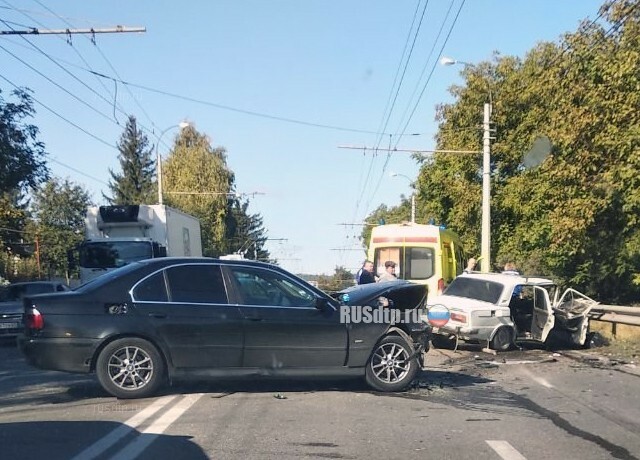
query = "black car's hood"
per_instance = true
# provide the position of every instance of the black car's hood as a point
(364, 293)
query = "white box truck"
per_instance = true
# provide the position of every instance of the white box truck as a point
(118, 235)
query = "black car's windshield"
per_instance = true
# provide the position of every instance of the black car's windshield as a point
(475, 288)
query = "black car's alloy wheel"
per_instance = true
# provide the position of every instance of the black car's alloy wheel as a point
(130, 368)
(391, 366)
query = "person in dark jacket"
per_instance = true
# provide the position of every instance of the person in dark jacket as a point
(366, 275)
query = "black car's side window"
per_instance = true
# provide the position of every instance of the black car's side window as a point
(260, 287)
(197, 283)
(152, 289)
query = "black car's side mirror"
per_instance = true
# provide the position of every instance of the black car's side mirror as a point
(322, 304)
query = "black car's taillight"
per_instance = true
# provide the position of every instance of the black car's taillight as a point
(33, 319)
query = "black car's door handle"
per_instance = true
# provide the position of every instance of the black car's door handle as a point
(158, 315)
(254, 318)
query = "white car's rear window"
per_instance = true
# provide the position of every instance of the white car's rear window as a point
(474, 288)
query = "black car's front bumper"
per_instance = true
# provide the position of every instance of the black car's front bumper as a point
(10, 325)
(58, 354)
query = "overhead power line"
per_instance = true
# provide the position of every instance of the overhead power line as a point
(244, 111)
(84, 84)
(74, 96)
(415, 107)
(100, 81)
(216, 105)
(104, 57)
(390, 105)
(62, 117)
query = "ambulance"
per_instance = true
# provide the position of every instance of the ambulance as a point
(424, 254)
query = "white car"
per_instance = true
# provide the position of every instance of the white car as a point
(502, 308)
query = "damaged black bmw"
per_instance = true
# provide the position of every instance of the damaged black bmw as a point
(156, 321)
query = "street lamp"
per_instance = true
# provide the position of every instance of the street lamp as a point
(413, 195)
(180, 125)
(445, 60)
(485, 246)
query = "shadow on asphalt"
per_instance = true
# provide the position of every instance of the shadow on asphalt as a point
(63, 440)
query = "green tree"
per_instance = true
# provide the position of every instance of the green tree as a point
(341, 279)
(22, 155)
(198, 181)
(59, 209)
(245, 231)
(22, 167)
(136, 183)
(576, 216)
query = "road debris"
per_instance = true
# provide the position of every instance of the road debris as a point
(279, 396)
(489, 351)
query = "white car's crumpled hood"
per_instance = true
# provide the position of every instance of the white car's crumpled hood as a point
(460, 303)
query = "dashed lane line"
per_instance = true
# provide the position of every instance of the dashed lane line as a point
(505, 450)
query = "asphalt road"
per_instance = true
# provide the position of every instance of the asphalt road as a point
(466, 405)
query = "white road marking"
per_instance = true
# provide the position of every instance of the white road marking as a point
(505, 450)
(138, 445)
(127, 427)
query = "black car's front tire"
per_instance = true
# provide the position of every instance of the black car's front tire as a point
(130, 368)
(392, 366)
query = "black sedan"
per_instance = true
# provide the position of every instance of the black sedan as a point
(165, 319)
(11, 308)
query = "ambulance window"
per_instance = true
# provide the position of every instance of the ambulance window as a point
(419, 263)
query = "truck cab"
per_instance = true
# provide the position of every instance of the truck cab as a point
(97, 256)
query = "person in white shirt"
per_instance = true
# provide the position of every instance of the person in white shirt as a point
(390, 272)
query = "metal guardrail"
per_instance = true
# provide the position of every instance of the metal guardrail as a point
(616, 314)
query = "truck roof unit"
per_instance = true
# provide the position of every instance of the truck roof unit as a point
(121, 216)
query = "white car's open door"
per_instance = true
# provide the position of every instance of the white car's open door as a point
(543, 319)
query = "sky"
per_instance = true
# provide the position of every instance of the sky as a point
(280, 84)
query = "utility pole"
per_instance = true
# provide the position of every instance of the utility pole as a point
(91, 31)
(485, 247)
(485, 243)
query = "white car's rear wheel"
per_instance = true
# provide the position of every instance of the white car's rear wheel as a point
(502, 340)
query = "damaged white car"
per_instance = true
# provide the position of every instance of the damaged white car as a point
(500, 309)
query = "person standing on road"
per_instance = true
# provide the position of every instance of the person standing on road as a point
(365, 275)
(471, 265)
(390, 272)
(510, 269)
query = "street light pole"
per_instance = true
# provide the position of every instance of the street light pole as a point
(413, 195)
(485, 242)
(181, 125)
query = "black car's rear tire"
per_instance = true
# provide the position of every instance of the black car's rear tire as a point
(130, 368)
(389, 367)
